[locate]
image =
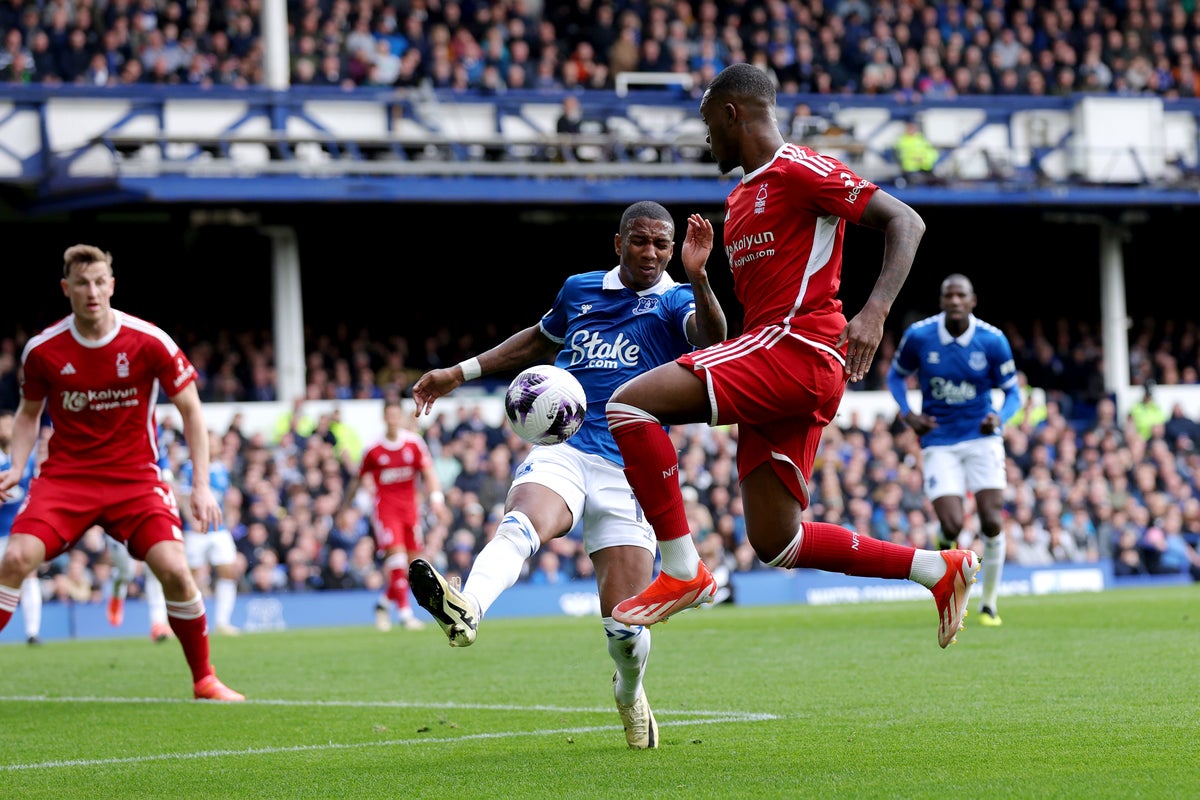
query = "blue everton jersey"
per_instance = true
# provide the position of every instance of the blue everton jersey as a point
(218, 480)
(610, 334)
(16, 495)
(957, 375)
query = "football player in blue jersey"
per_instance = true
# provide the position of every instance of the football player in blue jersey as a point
(214, 548)
(31, 588)
(604, 327)
(958, 360)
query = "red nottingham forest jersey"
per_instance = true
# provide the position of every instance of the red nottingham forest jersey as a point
(394, 466)
(784, 225)
(101, 395)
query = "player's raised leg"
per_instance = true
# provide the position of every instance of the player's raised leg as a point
(652, 468)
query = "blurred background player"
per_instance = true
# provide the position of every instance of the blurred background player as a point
(124, 573)
(391, 467)
(215, 548)
(639, 317)
(31, 588)
(958, 359)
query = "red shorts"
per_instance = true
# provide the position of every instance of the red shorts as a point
(781, 390)
(393, 532)
(60, 510)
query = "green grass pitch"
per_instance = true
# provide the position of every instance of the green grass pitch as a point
(1081, 695)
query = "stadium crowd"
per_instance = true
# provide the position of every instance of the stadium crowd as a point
(910, 50)
(1085, 485)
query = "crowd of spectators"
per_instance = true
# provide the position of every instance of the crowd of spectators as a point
(909, 50)
(1063, 357)
(1084, 484)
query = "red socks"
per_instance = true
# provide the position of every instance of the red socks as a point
(397, 590)
(835, 549)
(652, 467)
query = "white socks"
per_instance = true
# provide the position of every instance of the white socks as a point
(629, 647)
(994, 548)
(224, 598)
(155, 601)
(499, 564)
(928, 567)
(680, 559)
(31, 605)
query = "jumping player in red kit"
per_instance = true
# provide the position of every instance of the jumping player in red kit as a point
(782, 380)
(97, 374)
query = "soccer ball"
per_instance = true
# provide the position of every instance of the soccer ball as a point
(545, 405)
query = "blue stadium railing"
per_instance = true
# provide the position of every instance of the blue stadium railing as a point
(78, 146)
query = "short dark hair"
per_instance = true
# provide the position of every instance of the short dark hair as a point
(82, 255)
(645, 209)
(743, 81)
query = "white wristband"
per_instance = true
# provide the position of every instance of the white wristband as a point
(470, 369)
(437, 497)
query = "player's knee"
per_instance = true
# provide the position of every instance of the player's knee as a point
(990, 525)
(18, 562)
(176, 579)
(768, 548)
(951, 525)
(619, 411)
(14, 569)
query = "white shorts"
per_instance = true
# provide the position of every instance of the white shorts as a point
(596, 491)
(954, 469)
(215, 548)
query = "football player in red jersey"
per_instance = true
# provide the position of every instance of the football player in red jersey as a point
(782, 380)
(97, 373)
(392, 466)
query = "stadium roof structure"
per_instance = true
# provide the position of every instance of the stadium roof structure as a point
(68, 148)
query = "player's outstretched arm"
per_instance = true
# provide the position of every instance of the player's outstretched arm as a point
(522, 348)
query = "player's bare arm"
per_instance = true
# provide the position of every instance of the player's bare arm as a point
(26, 423)
(902, 231)
(525, 347)
(206, 511)
(707, 326)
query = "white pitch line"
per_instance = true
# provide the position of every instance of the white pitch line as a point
(740, 715)
(311, 748)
